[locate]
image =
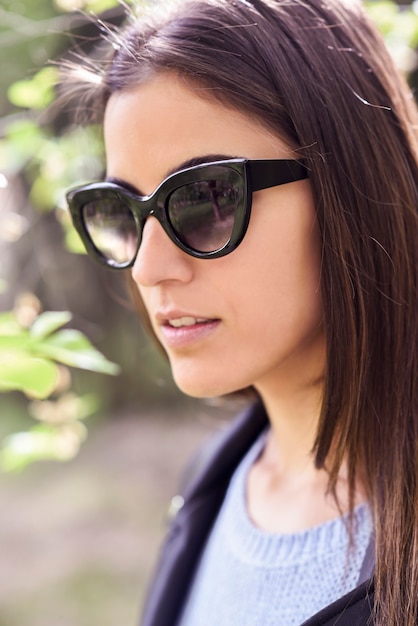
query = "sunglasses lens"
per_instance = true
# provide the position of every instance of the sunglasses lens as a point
(202, 214)
(112, 229)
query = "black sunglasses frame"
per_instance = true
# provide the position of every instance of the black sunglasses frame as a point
(245, 174)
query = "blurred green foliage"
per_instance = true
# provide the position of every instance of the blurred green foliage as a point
(399, 26)
(29, 362)
(35, 349)
(47, 156)
(29, 356)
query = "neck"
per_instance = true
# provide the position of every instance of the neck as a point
(294, 421)
(292, 396)
(285, 491)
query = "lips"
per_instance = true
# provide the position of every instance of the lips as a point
(179, 322)
(181, 330)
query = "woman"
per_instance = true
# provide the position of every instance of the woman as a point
(262, 188)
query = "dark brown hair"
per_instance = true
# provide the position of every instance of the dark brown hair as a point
(318, 73)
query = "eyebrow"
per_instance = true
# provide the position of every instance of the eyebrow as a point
(208, 158)
(200, 160)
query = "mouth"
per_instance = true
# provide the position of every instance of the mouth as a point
(186, 330)
(181, 322)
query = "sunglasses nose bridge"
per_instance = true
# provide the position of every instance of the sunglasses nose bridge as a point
(144, 208)
(147, 208)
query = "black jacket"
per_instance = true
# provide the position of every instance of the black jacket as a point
(202, 500)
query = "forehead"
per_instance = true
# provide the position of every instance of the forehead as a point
(153, 129)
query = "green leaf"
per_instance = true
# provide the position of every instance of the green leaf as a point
(99, 6)
(72, 239)
(18, 342)
(41, 443)
(9, 325)
(73, 242)
(383, 13)
(36, 377)
(43, 194)
(25, 93)
(66, 409)
(35, 93)
(48, 322)
(88, 404)
(74, 349)
(23, 141)
(407, 28)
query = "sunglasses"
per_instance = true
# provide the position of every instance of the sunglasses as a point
(204, 209)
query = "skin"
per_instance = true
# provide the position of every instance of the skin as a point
(264, 297)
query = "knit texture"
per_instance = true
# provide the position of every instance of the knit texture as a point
(250, 577)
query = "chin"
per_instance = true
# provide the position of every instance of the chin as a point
(201, 391)
(206, 388)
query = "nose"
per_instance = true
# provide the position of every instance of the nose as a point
(159, 259)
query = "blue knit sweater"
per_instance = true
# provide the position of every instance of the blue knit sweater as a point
(248, 577)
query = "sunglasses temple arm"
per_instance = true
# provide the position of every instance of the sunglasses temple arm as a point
(271, 173)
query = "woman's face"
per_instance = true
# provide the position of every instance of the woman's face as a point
(253, 317)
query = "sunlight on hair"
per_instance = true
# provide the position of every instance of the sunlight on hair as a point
(86, 76)
(369, 104)
(247, 3)
(351, 4)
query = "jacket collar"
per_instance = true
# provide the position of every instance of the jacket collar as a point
(207, 480)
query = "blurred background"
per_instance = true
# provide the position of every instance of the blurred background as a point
(93, 433)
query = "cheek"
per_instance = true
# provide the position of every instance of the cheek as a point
(280, 258)
(280, 262)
